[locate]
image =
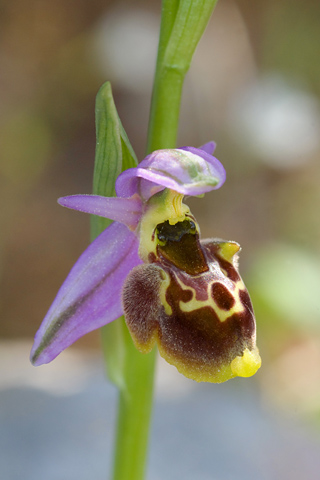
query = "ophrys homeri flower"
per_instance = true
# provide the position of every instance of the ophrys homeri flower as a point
(178, 291)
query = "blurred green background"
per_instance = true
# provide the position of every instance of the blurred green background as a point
(254, 87)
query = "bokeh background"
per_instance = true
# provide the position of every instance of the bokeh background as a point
(254, 87)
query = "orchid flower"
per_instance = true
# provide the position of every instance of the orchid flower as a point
(178, 291)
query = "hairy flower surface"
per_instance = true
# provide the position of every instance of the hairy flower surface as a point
(175, 290)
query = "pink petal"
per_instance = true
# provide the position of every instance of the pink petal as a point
(187, 170)
(209, 147)
(90, 297)
(124, 210)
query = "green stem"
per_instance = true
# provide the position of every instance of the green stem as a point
(167, 88)
(134, 412)
(182, 25)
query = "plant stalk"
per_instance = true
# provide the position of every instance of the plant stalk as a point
(182, 25)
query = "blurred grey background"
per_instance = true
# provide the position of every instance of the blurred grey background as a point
(254, 88)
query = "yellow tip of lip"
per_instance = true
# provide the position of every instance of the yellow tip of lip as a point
(228, 250)
(248, 364)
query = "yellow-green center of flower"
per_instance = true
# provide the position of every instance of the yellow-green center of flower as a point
(165, 206)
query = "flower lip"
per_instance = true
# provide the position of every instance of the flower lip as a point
(187, 170)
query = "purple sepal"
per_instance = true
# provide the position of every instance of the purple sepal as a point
(124, 210)
(209, 147)
(187, 170)
(90, 297)
(216, 166)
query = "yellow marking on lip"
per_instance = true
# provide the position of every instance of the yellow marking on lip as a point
(195, 304)
(162, 293)
(204, 373)
(228, 250)
(247, 364)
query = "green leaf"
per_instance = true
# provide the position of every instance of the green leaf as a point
(191, 19)
(183, 23)
(114, 154)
